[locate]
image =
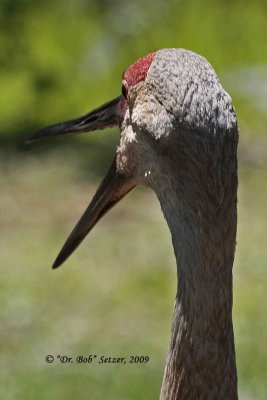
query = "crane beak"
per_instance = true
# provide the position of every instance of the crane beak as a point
(111, 190)
(102, 117)
(114, 186)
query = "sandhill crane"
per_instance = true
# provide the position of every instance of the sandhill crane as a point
(179, 137)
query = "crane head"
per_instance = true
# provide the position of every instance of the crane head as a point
(163, 94)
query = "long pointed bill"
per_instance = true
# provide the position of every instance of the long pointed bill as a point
(112, 189)
(102, 117)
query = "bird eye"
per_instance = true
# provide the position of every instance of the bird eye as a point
(124, 89)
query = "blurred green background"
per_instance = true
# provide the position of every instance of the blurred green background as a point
(115, 295)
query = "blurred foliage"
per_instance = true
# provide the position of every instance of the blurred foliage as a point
(59, 59)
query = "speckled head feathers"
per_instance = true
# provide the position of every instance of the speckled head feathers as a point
(173, 105)
(186, 85)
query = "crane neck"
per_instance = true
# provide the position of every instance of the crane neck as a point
(200, 209)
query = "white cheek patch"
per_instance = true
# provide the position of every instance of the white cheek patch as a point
(145, 123)
(130, 135)
(127, 133)
(128, 149)
(150, 117)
